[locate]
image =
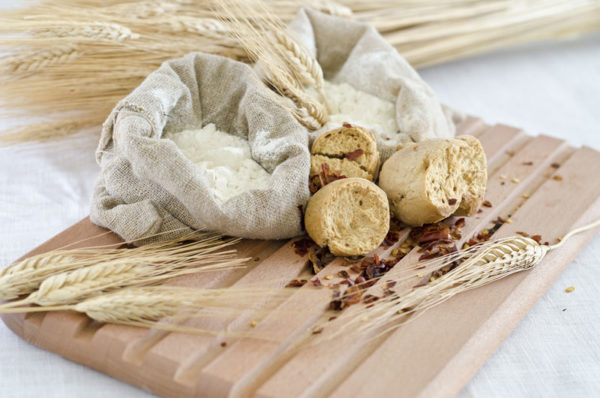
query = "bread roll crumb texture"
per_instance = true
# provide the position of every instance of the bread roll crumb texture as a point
(350, 216)
(434, 179)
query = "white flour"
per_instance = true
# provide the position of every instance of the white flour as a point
(223, 160)
(350, 105)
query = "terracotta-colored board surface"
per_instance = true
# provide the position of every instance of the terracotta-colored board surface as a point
(434, 355)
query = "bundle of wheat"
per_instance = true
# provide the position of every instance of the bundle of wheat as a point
(68, 62)
(113, 266)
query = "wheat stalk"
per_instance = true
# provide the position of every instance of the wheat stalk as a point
(285, 64)
(159, 306)
(478, 266)
(168, 258)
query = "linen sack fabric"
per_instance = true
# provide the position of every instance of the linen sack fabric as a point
(355, 53)
(147, 186)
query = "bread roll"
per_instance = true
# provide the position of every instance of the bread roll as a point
(349, 150)
(351, 216)
(433, 179)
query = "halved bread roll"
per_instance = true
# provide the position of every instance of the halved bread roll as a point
(351, 216)
(349, 150)
(433, 179)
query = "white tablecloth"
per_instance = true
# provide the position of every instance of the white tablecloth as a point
(555, 352)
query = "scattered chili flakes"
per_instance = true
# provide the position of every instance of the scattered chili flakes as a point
(557, 178)
(569, 289)
(487, 203)
(528, 163)
(302, 246)
(331, 318)
(296, 283)
(452, 201)
(555, 165)
(354, 154)
(347, 125)
(415, 147)
(391, 238)
(525, 234)
(537, 238)
(369, 298)
(316, 282)
(223, 344)
(343, 274)
(324, 177)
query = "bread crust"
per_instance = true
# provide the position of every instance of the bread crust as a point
(350, 216)
(431, 180)
(333, 147)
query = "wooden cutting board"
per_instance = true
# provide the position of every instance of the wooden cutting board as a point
(547, 188)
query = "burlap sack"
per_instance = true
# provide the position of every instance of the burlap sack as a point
(148, 187)
(355, 53)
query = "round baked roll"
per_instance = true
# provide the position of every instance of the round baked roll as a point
(349, 150)
(433, 179)
(351, 216)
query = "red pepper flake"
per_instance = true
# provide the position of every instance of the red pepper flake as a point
(331, 318)
(343, 274)
(557, 178)
(316, 282)
(525, 234)
(391, 238)
(528, 163)
(296, 283)
(356, 268)
(460, 222)
(302, 245)
(223, 344)
(377, 260)
(537, 238)
(452, 201)
(347, 125)
(415, 148)
(487, 203)
(390, 284)
(325, 176)
(354, 154)
(555, 165)
(369, 298)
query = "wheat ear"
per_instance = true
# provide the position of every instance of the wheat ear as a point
(283, 62)
(34, 61)
(159, 306)
(484, 264)
(25, 276)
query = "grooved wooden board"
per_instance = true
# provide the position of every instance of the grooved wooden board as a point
(435, 355)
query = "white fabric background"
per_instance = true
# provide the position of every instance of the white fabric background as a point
(548, 87)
